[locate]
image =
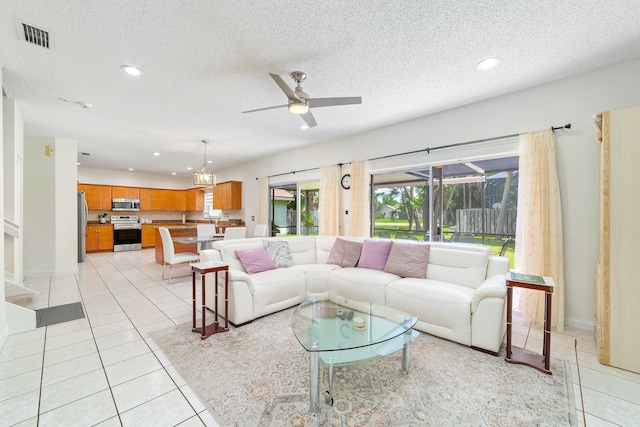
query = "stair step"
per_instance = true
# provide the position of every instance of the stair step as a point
(23, 300)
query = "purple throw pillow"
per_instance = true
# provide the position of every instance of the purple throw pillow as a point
(255, 260)
(374, 254)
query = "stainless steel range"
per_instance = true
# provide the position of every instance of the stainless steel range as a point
(127, 233)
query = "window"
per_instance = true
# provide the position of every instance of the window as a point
(294, 208)
(208, 204)
(471, 201)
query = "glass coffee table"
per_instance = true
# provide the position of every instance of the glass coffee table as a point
(339, 331)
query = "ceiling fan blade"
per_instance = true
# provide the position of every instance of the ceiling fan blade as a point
(309, 119)
(266, 108)
(328, 102)
(285, 88)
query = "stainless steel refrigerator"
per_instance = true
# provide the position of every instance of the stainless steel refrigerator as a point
(83, 213)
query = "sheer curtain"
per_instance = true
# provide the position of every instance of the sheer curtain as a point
(359, 213)
(539, 246)
(329, 203)
(263, 201)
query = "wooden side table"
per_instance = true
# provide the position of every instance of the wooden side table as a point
(514, 355)
(203, 268)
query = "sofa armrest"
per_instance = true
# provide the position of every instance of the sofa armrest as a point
(241, 276)
(494, 286)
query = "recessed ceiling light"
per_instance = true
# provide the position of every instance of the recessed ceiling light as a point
(304, 127)
(189, 168)
(156, 154)
(173, 173)
(78, 163)
(130, 169)
(130, 69)
(209, 161)
(488, 63)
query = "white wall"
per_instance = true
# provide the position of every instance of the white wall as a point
(4, 330)
(50, 207)
(573, 100)
(13, 192)
(87, 175)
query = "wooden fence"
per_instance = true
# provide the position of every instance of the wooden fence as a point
(470, 221)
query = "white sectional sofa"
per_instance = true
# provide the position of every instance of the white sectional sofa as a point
(461, 297)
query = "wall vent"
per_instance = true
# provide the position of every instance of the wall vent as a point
(34, 35)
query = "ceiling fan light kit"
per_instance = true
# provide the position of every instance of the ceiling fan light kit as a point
(298, 107)
(300, 103)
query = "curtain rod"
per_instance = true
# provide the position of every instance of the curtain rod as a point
(460, 144)
(429, 149)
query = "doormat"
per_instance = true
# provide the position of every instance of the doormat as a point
(59, 314)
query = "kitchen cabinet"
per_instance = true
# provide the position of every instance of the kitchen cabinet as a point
(146, 199)
(195, 199)
(181, 200)
(125, 192)
(170, 200)
(149, 235)
(228, 195)
(99, 238)
(98, 197)
(159, 199)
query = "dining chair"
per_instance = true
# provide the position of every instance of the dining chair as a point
(170, 255)
(235, 233)
(260, 230)
(205, 230)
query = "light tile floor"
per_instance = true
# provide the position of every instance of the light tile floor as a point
(105, 370)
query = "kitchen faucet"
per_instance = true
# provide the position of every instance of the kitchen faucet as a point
(206, 215)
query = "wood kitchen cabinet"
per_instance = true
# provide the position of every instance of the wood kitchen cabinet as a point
(98, 197)
(125, 192)
(149, 235)
(146, 199)
(228, 195)
(99, 238)
(195, 199)
(181, 200)
(170, 200)
(159, 197)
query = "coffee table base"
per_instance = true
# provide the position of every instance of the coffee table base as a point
(314, 372)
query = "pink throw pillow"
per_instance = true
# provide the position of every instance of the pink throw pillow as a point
(255, 260)
(374, 254)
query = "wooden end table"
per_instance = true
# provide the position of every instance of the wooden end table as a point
(203, 268)
(514, 355)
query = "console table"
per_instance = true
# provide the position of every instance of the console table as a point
(203, 268)
(516, 356)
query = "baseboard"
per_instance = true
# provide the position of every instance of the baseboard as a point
(580, 324)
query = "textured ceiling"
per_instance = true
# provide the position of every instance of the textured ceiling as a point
(204, 62)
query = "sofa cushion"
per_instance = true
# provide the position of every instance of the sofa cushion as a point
(255, 260)
(345, 253)
(435, 302)
(279, 252)
(408, 259)
(374, 254)
(462, 264)
(361, 284)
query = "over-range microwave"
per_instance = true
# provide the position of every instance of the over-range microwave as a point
(125, 204)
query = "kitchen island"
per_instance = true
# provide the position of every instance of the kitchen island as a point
(183, 230)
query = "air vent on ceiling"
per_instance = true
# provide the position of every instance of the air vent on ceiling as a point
(34, 35)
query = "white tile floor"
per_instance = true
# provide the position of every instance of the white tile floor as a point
(105, 370)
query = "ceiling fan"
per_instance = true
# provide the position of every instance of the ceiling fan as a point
(299, 101)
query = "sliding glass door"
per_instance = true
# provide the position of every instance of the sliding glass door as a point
(471, 201)
(294, 208)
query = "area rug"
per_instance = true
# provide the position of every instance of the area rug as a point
(258, 375)
(59, 314)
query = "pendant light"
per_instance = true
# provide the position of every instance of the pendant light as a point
(204, 178)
